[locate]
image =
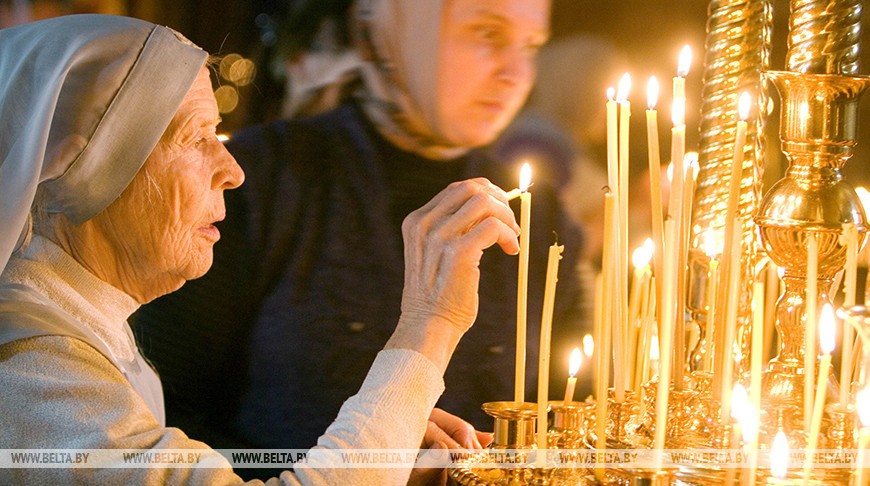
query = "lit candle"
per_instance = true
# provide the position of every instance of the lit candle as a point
(862, 402)
(678, 140)
(523, 282)
(678, 150)
(655, 174)
(810, 328)
(612, 141)
(621, 338)
(684, 63)
(573, 368)
(850, 235)
(779, 459)
(544, 348)
(827, 338)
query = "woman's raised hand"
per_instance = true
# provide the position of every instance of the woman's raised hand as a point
(444, 241)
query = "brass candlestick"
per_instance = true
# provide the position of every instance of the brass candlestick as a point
(818, 125)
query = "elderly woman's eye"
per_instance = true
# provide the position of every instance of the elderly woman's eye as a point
(200, 142)
(486, 33)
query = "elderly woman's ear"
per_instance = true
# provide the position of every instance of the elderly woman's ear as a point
(160, 232)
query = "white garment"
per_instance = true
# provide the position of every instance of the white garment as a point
(61, 393)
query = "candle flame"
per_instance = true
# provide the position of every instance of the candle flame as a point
(750, 424)
(525, 177)
(642, 254)
(739, 402)
(712, 244)
(610, 93)
(654, 348)
(652, 92)
(574, 362)
(624, 88)
(670, 172)
(588, 345)
(862, 403)
(678, 112)
(744, 105)
(779, 456)
(223, 137)
(685, 61)
(827, 331)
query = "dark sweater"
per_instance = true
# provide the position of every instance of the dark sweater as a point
(307, 282)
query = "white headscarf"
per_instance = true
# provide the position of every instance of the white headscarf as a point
(400, 76)
(395, 55)
(83, 101)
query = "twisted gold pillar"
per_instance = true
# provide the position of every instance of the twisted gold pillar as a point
(824, 36)
(737, 53)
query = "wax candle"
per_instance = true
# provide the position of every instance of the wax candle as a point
(810, 328)
(622, 319)
(612, 140)
(544, 346)
(573, 368)
(655, 174)
(684, 63)
(827, 337)
(523, 283)
(732, 219)
(665, 340)
(850, 239)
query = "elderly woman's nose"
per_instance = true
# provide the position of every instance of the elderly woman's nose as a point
(228, 174)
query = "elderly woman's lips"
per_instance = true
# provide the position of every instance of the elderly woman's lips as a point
(211, 232)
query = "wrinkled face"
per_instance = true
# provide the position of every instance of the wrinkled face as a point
(486, 64)
(161, 228)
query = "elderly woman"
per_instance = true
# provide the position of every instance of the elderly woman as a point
(111, 181)
(313, 244)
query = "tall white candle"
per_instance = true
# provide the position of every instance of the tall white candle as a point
(523, 283)
(810, 328)
(850, 235)
(732, 220)
(544, 346)
(622, 295)
(655, 175)
(665, 340)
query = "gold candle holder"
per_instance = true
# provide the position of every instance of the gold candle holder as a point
(818, 131)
